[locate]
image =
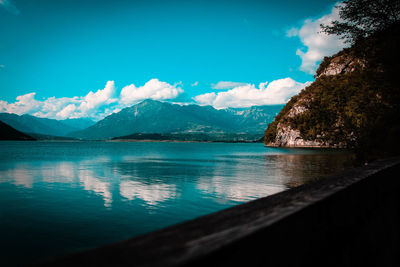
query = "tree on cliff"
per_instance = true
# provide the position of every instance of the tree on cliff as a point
(361, 18)
(359, 107)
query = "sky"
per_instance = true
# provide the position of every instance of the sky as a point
(72, 59)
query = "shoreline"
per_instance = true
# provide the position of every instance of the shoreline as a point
(332, 147)
(177, 141)
(132, 140)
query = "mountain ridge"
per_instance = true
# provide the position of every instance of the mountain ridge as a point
(151, 116)
(44, 126)
(9, 133)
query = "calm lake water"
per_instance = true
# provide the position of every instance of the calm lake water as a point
(62, 197)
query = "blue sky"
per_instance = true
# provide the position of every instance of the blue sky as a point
(53, 54)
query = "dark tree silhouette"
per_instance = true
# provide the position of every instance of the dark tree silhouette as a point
(361, 18)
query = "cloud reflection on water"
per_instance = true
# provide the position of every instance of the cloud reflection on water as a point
(152, 194)
(62, 172)
(21, 176)
(155, 180)
(90, 183)
(237, 190)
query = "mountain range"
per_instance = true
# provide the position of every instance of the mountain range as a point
(31, 124)
(184, 122)
(152, 116)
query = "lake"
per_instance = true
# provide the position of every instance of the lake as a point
(63, 197)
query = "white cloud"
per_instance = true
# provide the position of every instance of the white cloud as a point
(276, 92)
(65, 107)
(96, 105)
(91, 105)
(317, 44)
(206, 99)
(153, 89)
(9, 6)
(195, 83)
(66, 111)
(24, 104)
(50, 107)
(292, 32)
(226, 85)
(103, 102)
(94, 100)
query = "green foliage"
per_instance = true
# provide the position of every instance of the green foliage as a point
(362, 18)
(339, 110)
(359, 109)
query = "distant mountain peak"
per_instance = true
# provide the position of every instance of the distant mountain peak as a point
(153, 116)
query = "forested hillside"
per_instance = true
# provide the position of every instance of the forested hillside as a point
(354, 101)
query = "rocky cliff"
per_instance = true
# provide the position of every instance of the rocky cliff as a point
(353, 103)
(345, 61)
(288, 128)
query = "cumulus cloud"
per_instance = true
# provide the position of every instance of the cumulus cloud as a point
(226, 85)
(103, 102)
(9, 6)
(24, 104)
(276, 92)
(96, 105)
(50, 107)
(91, 105)
(102, 97)
(206, 99)
(195, 83)
(65, 107)
(316, 43)
(66, 111)
(153, 89)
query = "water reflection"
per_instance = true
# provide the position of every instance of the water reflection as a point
(28, 174)
(90, 183)
(154, 180)
(91, 193)
(20, 176)
(62, 172)
(237, 190)
(296, 169)
(238, 178)
(152, 194)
